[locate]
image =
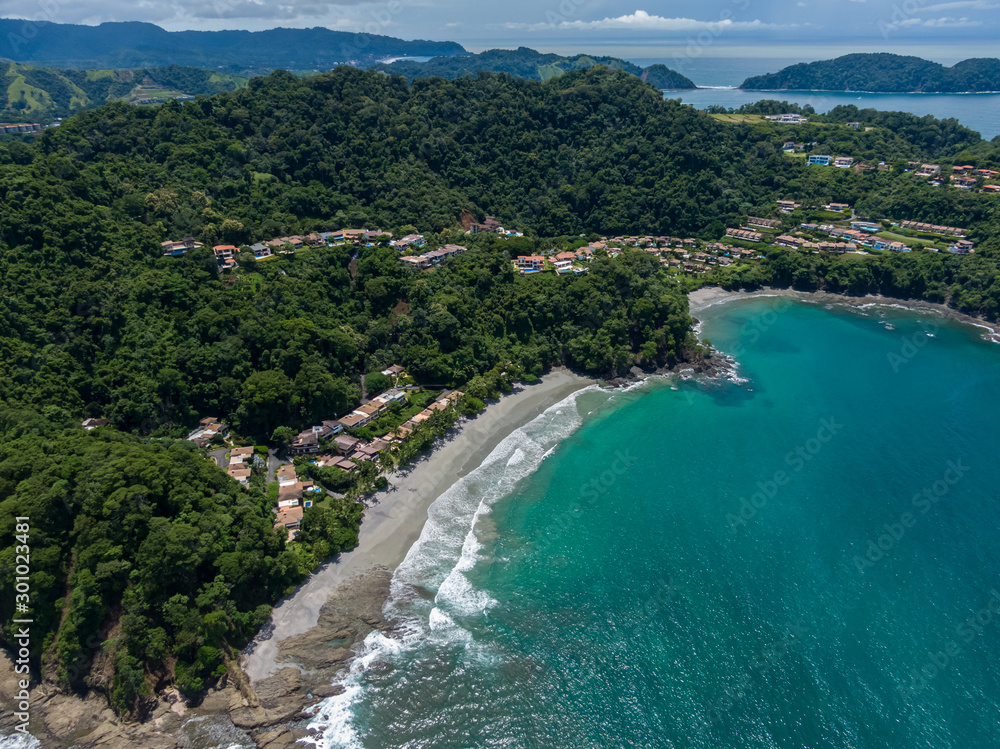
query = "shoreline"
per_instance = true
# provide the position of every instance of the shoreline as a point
(295, 660)
(395, 517)
(711, 296)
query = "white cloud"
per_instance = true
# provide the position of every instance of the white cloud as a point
(945, 22)
(964, 4)
(643, 21)
(950, 23)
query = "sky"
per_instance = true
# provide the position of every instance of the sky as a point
(945, 30)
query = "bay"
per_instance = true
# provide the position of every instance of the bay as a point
(805, 554)
(719, 78)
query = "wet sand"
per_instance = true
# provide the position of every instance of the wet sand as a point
(395, 517)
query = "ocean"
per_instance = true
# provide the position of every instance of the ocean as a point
(719, 78)
(804, 554)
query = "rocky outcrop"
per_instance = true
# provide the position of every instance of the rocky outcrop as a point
(272, 711)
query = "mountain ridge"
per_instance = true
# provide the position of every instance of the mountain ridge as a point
(531, 64)
(133, 44)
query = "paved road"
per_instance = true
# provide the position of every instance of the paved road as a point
(273, 461)
(220, 457)
(272, 465)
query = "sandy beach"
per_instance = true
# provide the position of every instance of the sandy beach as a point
(395, 517)
(709, 296)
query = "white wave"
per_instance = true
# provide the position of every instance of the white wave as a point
(456, 591)
(19, 741)
(628, 387)
(448, 543)
(907, 307)
(735, 297)
(447, 550)
(334, 720)
(991, 335)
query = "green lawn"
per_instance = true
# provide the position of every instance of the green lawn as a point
(909, 240)
(736, 118)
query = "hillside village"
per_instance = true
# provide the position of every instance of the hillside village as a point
(337, 457)
(831, 228)
(962, 177)
(347, 454)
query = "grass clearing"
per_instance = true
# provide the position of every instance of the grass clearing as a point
(36, 98)
(892, 237)
(738, 118)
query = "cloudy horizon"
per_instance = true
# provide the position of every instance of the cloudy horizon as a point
(966, 27)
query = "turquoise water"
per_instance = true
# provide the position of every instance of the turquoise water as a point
(793, 557)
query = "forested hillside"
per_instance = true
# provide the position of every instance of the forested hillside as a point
(882, 72)
(41, 94)
(527, 63)
(148, 564)
(145, 45)
(151, 549)
(151, 341)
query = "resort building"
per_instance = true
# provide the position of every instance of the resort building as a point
(743, 234)
(789, 118)
(953, 231)
(530, 262)
(766, 223)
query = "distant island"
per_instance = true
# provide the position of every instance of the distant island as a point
(32, 93)
(528, 63)
(883, 73)
(145, 45)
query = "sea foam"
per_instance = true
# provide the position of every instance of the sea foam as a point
(447, 550)
(19, 741)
